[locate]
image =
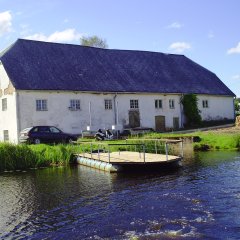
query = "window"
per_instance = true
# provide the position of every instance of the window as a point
(41, 105)
(74, 104)
(108, 104)
(5, 136)
(205, 103)
(158, 103)
(171, 104)
(4, 104)
(54, 130)
(134, 104)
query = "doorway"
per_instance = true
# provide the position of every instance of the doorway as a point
(160, 123)
(134, 118)
(175, 123)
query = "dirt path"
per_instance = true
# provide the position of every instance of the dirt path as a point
(230, 130)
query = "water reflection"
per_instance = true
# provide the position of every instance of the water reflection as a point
(82, 203)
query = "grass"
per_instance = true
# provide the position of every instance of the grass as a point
(207, 140)
(217, 141)
(19, 157)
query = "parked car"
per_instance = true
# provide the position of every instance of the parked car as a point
(45, 134)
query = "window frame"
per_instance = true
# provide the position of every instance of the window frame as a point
(5, 135)
(134, 104)
(158, 104)
(41, 105)
(4, 104)
(205, 103)
(75, 105)
(171, 104)
(108, 104)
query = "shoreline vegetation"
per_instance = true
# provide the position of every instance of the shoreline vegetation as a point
(22, 156)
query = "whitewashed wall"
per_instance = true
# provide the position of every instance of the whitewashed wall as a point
(21, 111)
(8, 118)
(59, 115)
(219, 107)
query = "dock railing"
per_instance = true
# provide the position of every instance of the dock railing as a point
(166, 143)
(141, 146)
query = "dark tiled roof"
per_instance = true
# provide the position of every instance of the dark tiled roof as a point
(34, 65)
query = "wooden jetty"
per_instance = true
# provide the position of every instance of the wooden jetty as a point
(117, 157)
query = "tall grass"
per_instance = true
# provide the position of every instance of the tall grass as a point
(218, 141)
(208, 140)
(18, 157)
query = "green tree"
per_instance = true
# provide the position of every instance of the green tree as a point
(93, 41)
(191, 111)
(236, 104)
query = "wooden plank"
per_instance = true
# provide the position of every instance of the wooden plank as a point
(130, 157)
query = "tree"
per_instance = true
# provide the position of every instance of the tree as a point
(236, 104)
(94, 41)
(191, 111)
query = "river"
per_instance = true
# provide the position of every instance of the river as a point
(201, 200)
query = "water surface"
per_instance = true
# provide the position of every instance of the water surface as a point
(199, 201)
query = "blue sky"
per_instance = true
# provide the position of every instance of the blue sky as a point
(206, 31)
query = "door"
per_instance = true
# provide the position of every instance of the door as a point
(160, 123)
(175, 123)
(134, 118)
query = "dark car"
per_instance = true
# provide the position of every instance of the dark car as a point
(45, 134)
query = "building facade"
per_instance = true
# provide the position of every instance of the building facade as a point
(73, 103)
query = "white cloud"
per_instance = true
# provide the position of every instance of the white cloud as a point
(67, 35)
(175, 25)
(180, 47)
(236, 77)
(234, 49)
(211, 35)
(5, 22)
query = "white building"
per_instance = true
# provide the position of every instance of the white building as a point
(72, 87)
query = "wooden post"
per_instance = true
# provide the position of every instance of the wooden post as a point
(166, 150)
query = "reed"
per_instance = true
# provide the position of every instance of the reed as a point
(19, 157)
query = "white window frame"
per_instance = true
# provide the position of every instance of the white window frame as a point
(108, 104)
(75, 105)
(205, 103)
(5, 136)
(134, 104)
(158, 103)
(41, 105)
(4, 104)
(171, 104)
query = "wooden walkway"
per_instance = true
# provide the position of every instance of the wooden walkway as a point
(126, 157)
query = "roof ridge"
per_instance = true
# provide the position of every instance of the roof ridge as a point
(97, 48)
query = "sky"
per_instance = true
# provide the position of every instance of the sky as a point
(206, 31)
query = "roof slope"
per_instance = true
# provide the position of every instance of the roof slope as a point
(34, 65)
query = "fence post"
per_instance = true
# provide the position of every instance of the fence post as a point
(156, 146)
(91, 149)
(181, 145)
(166, 150)
(108, 154)
(144, 153)
(98, 153)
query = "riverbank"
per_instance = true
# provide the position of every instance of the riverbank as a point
(216, 139)
(19, 157)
